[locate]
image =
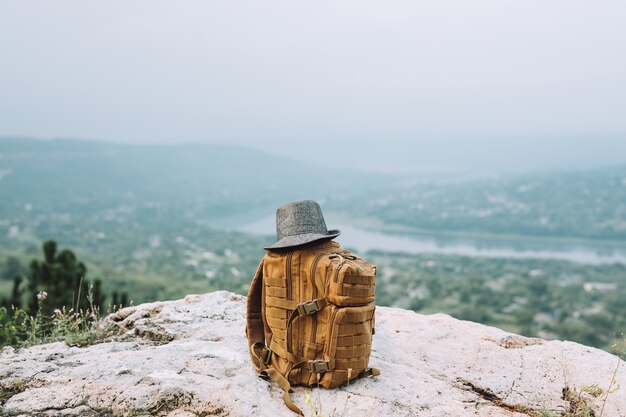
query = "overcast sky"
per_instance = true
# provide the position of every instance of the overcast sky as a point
(497, 84)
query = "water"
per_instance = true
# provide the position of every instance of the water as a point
(364, 240)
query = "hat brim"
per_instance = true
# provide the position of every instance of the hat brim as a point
(297, 240)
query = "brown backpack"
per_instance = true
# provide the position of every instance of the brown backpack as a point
(310, 317)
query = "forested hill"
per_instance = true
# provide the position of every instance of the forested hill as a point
(201, 180)
(203, 184)
(575, 204)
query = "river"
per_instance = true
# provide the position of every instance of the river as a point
(364, 240)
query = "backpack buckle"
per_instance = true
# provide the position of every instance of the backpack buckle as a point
(308, 307)
(319, 365)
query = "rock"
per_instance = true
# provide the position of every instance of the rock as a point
(7, 351)
(189, 358)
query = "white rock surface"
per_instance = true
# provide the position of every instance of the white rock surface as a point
(189, 358)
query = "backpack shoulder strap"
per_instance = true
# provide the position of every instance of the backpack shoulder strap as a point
(260, 354)
(255, 327)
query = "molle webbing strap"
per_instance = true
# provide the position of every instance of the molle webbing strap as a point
(354, 329)
(278, 313)
(359, 363)
(359, 317)
(254, 320)
(351, 340)
(354, 351)
(275, 282)
(276, 323)
(280, 292)
(354, 291)
(280, 303)
(358, 279)
(280, 334)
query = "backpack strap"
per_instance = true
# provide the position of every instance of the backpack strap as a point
(255, 327)
(260, 354)
(369, 372)
(286, 386)
(304, 309)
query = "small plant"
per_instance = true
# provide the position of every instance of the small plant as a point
(620, 352)
(76, 328)
(315, 406)
(35, 330)
(577, 405)
(593, 390)
(12, 326)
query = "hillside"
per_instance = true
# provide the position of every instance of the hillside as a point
(587, 204)
(194, 181)
(43, 183)
(189, 358)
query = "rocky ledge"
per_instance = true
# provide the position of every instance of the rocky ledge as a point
(189, 358)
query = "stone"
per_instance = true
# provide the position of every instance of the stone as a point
(189, 358)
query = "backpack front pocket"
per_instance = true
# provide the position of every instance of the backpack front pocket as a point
(348, 343)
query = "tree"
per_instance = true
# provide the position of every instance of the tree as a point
(120, 300)
(63, 278)
(16, 294)
(12, 268)
(98, 297)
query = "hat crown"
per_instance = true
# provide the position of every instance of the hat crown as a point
(300, 217)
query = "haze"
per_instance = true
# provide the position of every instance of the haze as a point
(390, 85)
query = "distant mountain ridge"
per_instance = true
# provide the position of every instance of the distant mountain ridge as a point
(222, 178)
(204, 183)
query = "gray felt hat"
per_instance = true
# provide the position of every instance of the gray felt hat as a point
(300, 222)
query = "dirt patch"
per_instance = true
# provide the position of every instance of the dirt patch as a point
(11, 388)
(517, 342)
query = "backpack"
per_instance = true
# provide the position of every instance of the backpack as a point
(310, 317)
